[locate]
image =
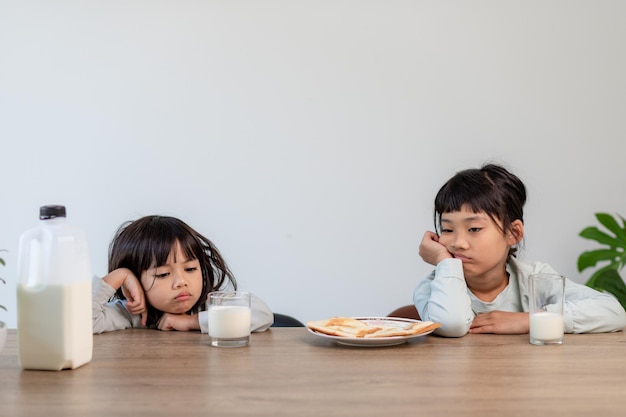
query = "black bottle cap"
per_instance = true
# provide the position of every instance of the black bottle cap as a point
(50, 212)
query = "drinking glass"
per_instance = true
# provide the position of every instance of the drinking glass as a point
(229, 318)
(546, 309)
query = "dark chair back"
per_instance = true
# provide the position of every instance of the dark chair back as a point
(283, 320)
(407, 312)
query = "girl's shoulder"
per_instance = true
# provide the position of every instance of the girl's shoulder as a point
(522, 270)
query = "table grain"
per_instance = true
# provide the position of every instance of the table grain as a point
(290, 372)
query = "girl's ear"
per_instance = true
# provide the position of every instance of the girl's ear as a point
(516, 232)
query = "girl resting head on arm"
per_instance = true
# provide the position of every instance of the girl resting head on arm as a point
(478, 285)
(161, 271)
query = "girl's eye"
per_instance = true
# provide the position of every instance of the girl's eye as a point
(164, 275)
(191, 269)
(475, 229)
(446, 230)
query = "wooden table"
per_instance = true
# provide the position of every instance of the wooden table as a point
(290, 372)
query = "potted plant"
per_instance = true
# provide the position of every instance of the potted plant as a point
(3, 326)
(612, 255)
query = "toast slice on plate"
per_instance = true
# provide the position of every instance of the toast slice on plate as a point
(410, 330)
(342, 326)
(350, 327)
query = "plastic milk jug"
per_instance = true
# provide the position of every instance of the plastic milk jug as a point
(54, 328)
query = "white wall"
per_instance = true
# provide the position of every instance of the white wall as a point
(307, 139)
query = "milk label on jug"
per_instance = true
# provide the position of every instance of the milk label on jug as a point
(54, 325)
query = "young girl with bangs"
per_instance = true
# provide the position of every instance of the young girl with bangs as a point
(160, 273)
(478, 285)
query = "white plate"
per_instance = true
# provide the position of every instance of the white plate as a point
(375, 341)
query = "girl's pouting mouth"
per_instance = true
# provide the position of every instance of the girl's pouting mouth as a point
(183, 296)
(461, 257)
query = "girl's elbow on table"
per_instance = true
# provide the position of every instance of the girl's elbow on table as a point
(454, 323)
(453, 329)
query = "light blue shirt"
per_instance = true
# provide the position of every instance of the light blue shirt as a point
(443, 297)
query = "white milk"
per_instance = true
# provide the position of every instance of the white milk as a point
(229, 322)
(54, 326)
(546, 326)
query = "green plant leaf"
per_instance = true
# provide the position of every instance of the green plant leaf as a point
(609, 280)
(599, 236)
(591, 258)
(592, 280)
(611, 224)
(606, 278)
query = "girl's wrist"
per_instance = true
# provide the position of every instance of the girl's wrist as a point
(443, 257)
(193, 322)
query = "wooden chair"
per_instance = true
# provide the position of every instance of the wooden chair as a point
(407, 312)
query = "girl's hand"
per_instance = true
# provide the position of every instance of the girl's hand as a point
(501, 322)
(180, 322)
(431, 250)
(135, 297)
(131, 288)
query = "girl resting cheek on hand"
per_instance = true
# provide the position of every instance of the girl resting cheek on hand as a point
(478, 285)
(161, 271)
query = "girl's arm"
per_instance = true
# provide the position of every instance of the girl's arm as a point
(180, 322)
(131, 288)
(589, 311)
(442, 297)
(585, 310)
(262, 316)
(110, 315)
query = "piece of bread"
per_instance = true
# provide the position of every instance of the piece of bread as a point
(410, 330)
(349, 327)
(342, 326)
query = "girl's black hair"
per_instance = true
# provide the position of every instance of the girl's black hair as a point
(490, 189)
(147, 242)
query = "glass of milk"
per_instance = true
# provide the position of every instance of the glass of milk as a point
(546, 309)
(229, 318)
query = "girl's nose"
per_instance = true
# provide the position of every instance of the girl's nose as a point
(179, 281)
(459, 242)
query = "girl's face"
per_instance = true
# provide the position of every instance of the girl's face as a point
(477, 241)
(176, 286)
